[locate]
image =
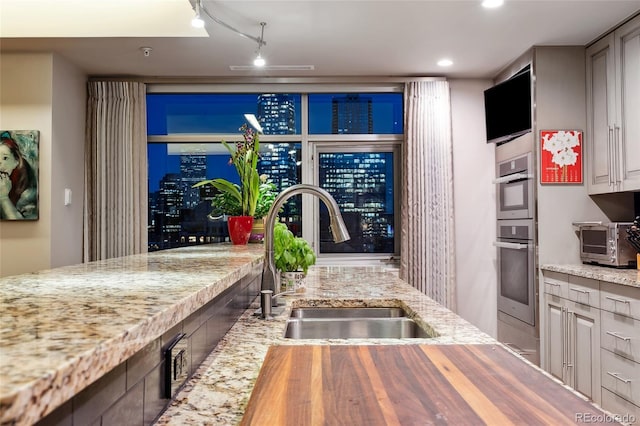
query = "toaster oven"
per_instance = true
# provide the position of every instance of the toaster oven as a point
(606, 244)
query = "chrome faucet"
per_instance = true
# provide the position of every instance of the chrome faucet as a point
(270, 279)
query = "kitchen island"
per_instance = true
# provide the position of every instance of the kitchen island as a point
(220, 391)
(65, 328)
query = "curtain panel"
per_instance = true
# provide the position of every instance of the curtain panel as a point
(427, 236)
(115, 213)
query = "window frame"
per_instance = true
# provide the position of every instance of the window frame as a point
(310, 144)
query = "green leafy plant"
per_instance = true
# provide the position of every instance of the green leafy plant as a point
(244, 156)
(267, 195)
(291, 253)
(224, 203)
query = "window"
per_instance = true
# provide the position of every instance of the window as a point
(347, 143)
(362, 183)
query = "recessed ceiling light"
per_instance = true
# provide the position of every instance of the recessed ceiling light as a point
(445, 62)
(490, 4)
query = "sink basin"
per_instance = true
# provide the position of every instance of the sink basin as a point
(358, 312)
(354, 328)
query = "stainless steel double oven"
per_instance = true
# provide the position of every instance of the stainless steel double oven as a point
(515, 242)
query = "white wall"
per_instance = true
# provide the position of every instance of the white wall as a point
(474, 205)
(30, 86)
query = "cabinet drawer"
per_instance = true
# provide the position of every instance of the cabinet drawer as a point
(584, 290)
(623, 410)
(556, 284)
(620, 299)
(620, 335)
(621, 376)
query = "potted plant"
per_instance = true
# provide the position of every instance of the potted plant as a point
(292, 257)
(244, 156)
(267, 195)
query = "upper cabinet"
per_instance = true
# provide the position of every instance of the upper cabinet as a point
(613, 111)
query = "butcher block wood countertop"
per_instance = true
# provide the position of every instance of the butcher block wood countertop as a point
(408, 385)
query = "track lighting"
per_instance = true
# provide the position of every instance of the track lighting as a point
(259, 60)
(197, 21)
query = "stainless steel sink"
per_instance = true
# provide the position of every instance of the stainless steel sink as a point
(357, 312)
(354, 328)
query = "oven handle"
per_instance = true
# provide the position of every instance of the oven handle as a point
(516, 246)
(511, 178)
(587, 223)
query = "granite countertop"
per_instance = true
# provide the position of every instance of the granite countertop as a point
(63, 328)
(628, 277)
(219, 391)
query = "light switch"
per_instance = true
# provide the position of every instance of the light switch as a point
(67, 196)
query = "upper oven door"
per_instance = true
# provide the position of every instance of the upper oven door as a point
(515, 188)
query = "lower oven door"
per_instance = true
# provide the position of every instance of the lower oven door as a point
(516, 287)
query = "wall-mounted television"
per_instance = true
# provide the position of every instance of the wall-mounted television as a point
(507, 107)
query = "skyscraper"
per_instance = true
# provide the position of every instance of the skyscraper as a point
(193, 169)
(276, 114)
(351, 114)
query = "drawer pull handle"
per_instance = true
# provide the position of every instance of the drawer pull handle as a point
(615, 299)
(577, 290)
(553, 284)
(617, 376)
(617, 336)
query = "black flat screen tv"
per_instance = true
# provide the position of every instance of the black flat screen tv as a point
(507, 107)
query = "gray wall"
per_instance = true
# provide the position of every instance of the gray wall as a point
(474, 206)
(41, 91)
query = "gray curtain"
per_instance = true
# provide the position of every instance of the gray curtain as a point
(116, 170)
(427, 239)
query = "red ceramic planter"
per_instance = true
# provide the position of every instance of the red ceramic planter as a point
(240, 229)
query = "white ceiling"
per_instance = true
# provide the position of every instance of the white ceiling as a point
(339, 38)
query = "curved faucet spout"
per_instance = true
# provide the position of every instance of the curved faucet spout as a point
(338, 228)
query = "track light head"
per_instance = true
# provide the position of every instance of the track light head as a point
(259, 61)
(197, 21)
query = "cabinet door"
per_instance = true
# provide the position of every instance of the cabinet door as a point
(627, 125)
(601, 112)
(555, 339)
(585, 336)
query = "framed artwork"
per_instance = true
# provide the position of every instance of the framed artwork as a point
(561, 157)
(19, 167)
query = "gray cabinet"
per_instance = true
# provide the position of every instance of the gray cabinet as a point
(620, 341)
(572, 332)
(612, 140)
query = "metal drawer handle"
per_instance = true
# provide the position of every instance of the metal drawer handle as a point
(617, 336)
(579, 290)
(553, 284)
(514, 246)
(618, 377)
(617, 300)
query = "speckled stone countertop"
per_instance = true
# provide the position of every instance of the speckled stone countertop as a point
(219, 391)
(63, 328)
(628, 277)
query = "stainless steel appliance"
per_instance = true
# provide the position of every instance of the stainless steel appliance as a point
(516, 269)
(606, 244)
(515, 179)
(517, 298)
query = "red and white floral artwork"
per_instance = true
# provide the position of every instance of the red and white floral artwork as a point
(561, 156)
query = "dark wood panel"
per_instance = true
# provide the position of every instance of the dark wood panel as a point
(407, 385)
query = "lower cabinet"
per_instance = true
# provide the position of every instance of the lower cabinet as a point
(592, 340)
(573, 344)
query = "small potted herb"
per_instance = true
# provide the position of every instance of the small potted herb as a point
(293, 256)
